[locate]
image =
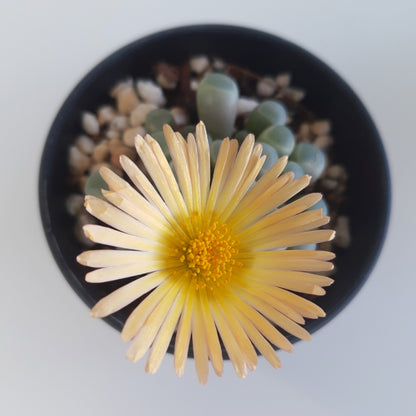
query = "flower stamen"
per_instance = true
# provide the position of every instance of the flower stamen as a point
(210, 256)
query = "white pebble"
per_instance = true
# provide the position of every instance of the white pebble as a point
(82, 220)
(165, 82)
(90, 124)
(130, 134)
(127, 100)
(151, 93)
(283, 80)
(74, 203)
(114, 145)
(321, 127)
(127, 83)
(266, 87)
(336, 172)
(101, 151)
(199, 64)
(78, 162)
(193, 84)
(85, 144)
(112, 134)
(105, 114)
(342, 228)
(180, 116)
(246, 105)
(323, 141)
(138, 115)
(218, 64)
(329, 184)
(119, 123)
(296, 94)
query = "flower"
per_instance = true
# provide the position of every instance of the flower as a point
(209, 253)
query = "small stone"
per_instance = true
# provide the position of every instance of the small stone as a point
(180, 116)
(336, 172)
(81, 181)
(246, 105)
(127, 83)
(167, 76)
(342, 228)
(218, 64)
(98, 166)
(101, 151)
(124, 150)
(105, 114)
(138, 115)
(85, 144)
(74, 203)
(323, 142)
(321, 127)
(304, 131)
(193, 84)
(114, 145)
(112, 134)
(283, 80)
(78, 161)
(83, 219)
(130, 134)
(151, 93)
(127, 100)
(329, 184)
(266, 87)
(119, 123)
(199, 64)
(90, 124)
(294, 94)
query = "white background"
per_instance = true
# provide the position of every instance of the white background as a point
(56, 360)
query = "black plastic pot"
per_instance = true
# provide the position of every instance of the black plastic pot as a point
(357, 146)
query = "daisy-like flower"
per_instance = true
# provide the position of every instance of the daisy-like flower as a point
(209, 253)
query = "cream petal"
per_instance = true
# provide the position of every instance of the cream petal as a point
(109, 258)
(138, 317)
(180, 162)
(151, 326)
(164, 336)
(261, 323)
(183, 335)
(229, 341)
(239, 334)
(200, 345)
(259, 341)
(127, 294)
(296, 239)
(236, 174)
(109, 274)
(281, 214)
(203, 162)
(108, 236)
(118, 219)
(194, 173)
(214, 346)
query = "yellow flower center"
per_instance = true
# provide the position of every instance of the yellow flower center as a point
(210, 256)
